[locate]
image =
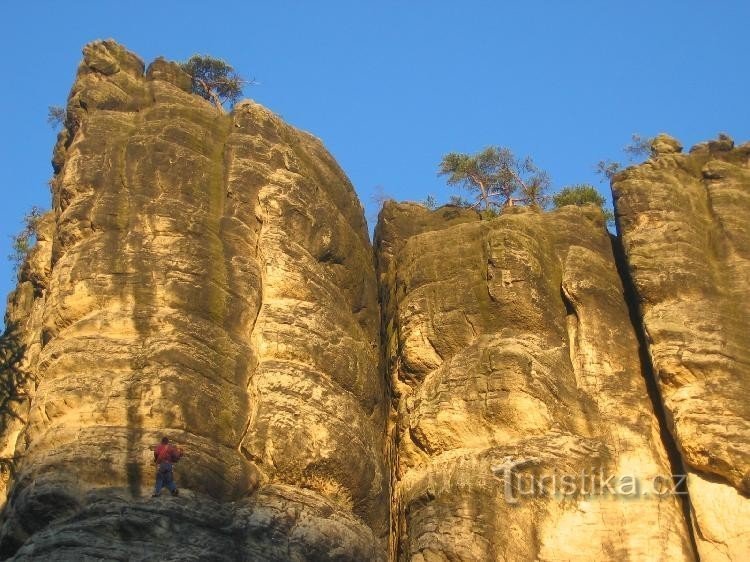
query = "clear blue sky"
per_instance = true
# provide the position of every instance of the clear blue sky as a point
(391, 86)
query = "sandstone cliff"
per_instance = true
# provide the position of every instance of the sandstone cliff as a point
(209, 277)
(509, 343)
(685, 222)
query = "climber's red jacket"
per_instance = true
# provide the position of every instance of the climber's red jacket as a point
(166, 453)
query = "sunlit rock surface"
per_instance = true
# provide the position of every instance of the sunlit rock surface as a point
(207, 276)
(685, 222)
(509, 344)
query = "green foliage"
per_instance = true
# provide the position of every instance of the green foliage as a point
(214, 80)
(24, 241)
(581, 194)
(494, 175)
(56, 115)
(534, 191)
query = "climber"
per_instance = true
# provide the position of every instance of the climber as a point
(165, 455)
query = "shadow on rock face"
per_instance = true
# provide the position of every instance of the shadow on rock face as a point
(13, 380)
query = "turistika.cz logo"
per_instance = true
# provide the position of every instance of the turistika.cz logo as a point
(519, 483)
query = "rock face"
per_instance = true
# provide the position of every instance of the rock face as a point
(207, 276)
(511, 353)
(685, 223)
(517, 388)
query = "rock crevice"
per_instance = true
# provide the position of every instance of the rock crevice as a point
(545, 379)
(182, 294)
(209, 276)
(683, 223)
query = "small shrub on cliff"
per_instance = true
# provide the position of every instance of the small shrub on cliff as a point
(330, 489)
(607, 168)
(581, 194)
(638, 148)
(24, 241)
(214, 80)
(494, 175)
(56, 115)
(430, 202)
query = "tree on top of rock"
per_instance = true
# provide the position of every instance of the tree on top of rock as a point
(214, 80)
(494, 175)
(639, 148)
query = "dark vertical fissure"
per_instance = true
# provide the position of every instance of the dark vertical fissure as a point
(143, 291)
(14, 381)
(647, 370)
(219, 265)
(391, 445)
(131, 244)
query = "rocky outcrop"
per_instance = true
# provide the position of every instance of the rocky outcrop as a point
(207, 276)
(512, 388)
(684, 223)
(512, 356)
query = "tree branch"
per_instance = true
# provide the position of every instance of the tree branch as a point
(210, 91)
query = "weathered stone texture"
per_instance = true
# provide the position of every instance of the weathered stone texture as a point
(509, 343)
(685, 224)
(207, 276)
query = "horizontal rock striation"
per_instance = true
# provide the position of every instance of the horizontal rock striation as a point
(511, 353)
(207, 276)
(685, 226)
(520, 387)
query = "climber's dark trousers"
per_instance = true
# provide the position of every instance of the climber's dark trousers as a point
(164, 477)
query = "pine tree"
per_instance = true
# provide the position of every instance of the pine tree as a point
(214, 80)
(494, 175)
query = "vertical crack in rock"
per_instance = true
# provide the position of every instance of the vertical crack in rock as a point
(670, 445)
(544, 377)
(207, 276)
(683, 220)
(572, 325)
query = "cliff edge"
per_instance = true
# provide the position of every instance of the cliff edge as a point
(205, 276)
(684, 220)
(522, 387)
